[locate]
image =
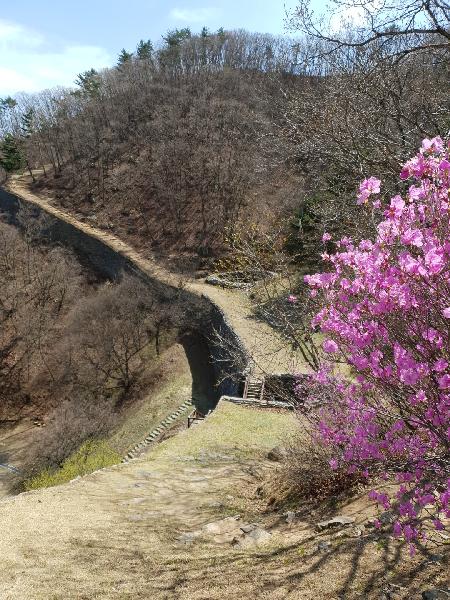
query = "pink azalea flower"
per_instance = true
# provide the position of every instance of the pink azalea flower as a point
(444, 165)
(444, 382)
(434, 145)
(330, 346)
(397, 206)
(367, 188)
(434, 260)
(438, 525)
(440, 365)
(412, 237)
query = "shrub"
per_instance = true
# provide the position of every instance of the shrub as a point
(385, 309)
(306, 475)
(90, 456)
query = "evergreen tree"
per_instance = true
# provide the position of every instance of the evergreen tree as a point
(89, 84)
(204, 32)
(26, 125)
(7, 103)
(11, 157)
(175, 37)
(124, 57)
(144, 50)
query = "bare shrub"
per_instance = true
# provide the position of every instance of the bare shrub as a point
(37, 287)
(72, 422)
(108, 333)
(306, 476)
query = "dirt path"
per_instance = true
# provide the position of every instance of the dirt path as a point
(262, 343)
(114, 534)
(149, 529)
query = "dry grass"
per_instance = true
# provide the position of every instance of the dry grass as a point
(113, 534)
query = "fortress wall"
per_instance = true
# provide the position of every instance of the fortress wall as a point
(198, 312)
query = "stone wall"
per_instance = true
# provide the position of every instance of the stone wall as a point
(199, 313)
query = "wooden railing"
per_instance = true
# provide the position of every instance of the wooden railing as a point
(195, 416)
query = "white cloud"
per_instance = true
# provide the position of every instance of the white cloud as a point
(13, 35)
(194, 15)
(29, 64)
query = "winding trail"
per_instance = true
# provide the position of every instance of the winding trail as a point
(269, 353)
(264, 345)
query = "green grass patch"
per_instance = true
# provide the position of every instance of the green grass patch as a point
(148, 413)
(232, 430)
(90, 456)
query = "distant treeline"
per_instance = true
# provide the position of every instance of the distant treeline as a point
(181, 142)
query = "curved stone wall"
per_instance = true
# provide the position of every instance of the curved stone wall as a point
(198, 311)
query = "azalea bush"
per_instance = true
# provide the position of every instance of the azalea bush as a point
(384, 307)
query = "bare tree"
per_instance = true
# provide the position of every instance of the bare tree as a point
(394, 28)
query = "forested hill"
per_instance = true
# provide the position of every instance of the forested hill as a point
(179, 146)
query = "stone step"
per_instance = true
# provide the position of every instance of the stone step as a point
(158, 431)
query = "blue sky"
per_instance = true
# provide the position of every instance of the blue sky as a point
(47, 43)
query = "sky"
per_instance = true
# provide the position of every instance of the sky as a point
(47, 44)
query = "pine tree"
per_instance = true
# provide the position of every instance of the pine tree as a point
(26, 125)
(144, 50)
(204, 32)
(11, 157)
(89, 83)
(124, 57)
(175, 37)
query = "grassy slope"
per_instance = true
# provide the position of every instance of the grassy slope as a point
(235, 431)
(171, 386)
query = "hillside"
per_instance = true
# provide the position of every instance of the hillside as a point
(262, 343)
(184, 145)
(225, 308)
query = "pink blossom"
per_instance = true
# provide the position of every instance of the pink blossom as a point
(435, 260)
(413, 237)
(330, 346)
(397, 206)
(382, 304)
(444, 382)
(444, 165)
(440, 365)
(326, 237)
(434, 145)
(367, 188)
(292, 299)
(438, 525)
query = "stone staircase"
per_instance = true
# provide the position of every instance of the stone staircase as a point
(254, 388)
(197, 417)
(158, 431)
